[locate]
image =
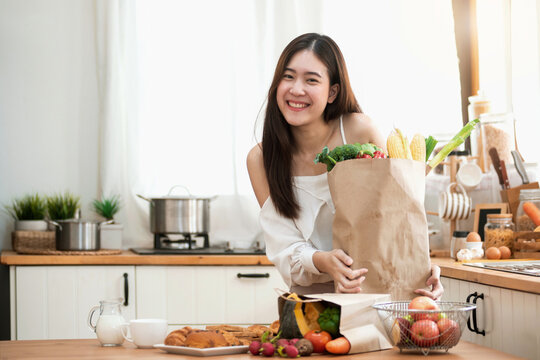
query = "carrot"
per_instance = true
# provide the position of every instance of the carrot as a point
(532, 212)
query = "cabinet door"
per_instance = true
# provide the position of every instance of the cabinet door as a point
(200, 295)
(509, 317)
(53, 301)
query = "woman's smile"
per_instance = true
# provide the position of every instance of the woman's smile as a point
(297, 105)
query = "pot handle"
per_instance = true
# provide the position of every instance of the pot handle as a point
(105, 223)
(145, 198)
(54, 223)
(182, 186)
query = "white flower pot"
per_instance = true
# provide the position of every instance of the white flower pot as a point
(111, 236)
(31, 225)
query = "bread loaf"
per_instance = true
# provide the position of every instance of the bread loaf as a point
(205, 339)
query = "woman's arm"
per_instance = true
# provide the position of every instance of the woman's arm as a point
(257, 175)
(360, 128)
(338, 265)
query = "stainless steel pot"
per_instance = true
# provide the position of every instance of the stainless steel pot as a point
(179, 214)
(75, 234)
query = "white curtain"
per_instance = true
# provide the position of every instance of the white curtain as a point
(203, 71)
(509, 60)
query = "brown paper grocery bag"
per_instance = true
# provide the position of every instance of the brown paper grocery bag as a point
(359, 321)
(380, 221)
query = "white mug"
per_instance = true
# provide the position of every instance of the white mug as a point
(145, 333)
(469, 176)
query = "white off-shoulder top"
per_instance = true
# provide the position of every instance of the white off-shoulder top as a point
(290, 244)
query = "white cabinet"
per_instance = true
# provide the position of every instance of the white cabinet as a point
(52, 302)
(510, 319)
(200, 295)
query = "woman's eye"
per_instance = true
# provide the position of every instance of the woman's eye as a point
(287, 76)
(313, 80)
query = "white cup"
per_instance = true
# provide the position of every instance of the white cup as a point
(145, 333)
(469, 176)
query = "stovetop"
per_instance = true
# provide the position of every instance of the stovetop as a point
(198, 251)
(526, 267)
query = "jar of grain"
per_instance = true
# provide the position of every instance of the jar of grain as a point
(524, 223)
(499, 230)
(497, 132)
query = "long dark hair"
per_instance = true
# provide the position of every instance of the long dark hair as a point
(278, 143)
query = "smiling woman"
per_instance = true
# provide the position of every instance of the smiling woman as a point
(202, 77)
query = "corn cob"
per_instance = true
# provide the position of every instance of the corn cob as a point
(418, 148)
(394, 146)
(399, 145)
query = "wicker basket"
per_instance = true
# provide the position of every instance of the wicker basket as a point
(29, 241)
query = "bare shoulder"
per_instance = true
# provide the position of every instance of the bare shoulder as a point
(362, 129)
(257, 174)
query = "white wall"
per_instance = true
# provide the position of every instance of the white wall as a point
(48, 102)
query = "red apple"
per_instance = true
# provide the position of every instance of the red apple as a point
(424, 303)
(449, 332)
(401, 332)
(425, 333)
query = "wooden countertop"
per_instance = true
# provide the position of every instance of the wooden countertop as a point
(90, 349)
(128, 257)
(449, 267)
(456, 270)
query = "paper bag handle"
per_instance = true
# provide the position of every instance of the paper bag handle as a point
(281, 293)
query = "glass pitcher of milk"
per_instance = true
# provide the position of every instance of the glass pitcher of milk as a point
(109, 323)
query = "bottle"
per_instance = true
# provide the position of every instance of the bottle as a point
(478, 104)
(459, 241)
(499, 231)
(524, 223)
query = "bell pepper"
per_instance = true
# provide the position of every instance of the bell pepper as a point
(329, 320)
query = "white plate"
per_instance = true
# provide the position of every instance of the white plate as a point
(184, 350)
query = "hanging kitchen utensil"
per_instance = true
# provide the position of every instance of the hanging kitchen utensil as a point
(494, 155)
(520, 167)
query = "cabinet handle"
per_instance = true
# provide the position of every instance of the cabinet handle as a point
(126, 289)
(474, 327)
(265, 275)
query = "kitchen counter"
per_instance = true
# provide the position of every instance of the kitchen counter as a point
(128, 257)
(90, 349)
(456, 270)
(449, 267)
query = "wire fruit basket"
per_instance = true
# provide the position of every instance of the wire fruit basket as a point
(424, 330)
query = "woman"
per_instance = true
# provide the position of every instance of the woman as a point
(310, 105)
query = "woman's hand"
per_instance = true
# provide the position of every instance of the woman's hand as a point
(435, 282)
(338, 265)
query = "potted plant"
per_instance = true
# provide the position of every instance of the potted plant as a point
(63, 207)
(110, 234)
(29, 213)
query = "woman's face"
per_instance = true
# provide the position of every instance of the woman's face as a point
(304, 89)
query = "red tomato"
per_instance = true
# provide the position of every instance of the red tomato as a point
(338, 346)
(318, 339)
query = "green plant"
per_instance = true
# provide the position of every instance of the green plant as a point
(61, 207)
(29, 207)
(107, 207)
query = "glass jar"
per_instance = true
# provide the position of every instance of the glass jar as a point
(478, 104)
(499, 231)
(459, 239)
(497, 131)
(524, 223)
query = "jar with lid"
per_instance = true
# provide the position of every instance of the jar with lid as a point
(497, 131)
(524, 222)
(499, 231)
(459, 240)
(478, 104)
